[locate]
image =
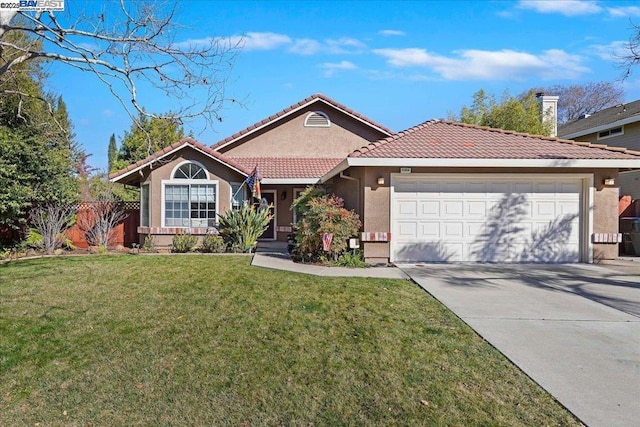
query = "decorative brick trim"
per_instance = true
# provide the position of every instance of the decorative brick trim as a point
(375, 236)
(177, 230)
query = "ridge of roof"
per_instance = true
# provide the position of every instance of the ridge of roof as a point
(285, 111)
(176, 145)
(372, 146)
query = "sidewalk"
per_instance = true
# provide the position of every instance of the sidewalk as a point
(274, 255)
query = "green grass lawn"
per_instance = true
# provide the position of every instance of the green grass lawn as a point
(210, 340)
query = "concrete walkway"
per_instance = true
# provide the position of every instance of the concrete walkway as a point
(574, 329)
(274, 255)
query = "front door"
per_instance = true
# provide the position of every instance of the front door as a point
(269, 197)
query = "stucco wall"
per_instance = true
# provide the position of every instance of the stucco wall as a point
(290, 138)
(162, 171)
(376, 199)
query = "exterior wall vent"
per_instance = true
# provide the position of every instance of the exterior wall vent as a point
(317, 119)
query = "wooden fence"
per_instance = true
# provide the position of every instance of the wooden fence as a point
(125, 233)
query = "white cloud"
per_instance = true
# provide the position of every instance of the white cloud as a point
(108, 113)
(305, 46)
(331, 67)
(563, 7)
(344, 45)
(490, 65)
(624, 11)
(388, 33)
(261, 41)
(610, 52)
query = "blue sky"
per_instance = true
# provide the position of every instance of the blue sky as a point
(398, 63)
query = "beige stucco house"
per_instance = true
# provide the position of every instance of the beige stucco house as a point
(440, 191)
(617, 126)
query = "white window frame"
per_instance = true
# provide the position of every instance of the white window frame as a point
(609, 135)
(232, 191)
(189, 182)
(148, 206)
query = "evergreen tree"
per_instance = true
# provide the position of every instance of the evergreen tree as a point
(112, 152)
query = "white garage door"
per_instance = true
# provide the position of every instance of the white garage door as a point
(438, 218)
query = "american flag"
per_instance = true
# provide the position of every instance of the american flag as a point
(253, 182)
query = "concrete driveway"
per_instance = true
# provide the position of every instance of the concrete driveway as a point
(574, 329)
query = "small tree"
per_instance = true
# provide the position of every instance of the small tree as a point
(325, 214)
(51, 220)
(100, 219)
(241, 228)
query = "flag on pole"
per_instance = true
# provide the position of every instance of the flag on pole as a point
(253, 182)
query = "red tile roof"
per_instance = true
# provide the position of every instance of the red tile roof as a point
(291, 168)
(315, 97)
(449, 140)
(183, 142)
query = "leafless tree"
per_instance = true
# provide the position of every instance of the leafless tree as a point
(126, 45)
(577, 100)
(50, 220)
(632, 56)
(99, 219)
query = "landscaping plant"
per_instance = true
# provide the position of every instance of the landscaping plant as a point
(50, 220)
(241, 228)
(212, 243)
(183, 243)
(325, 214)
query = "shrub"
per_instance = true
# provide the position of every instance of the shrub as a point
(241, 228)
(213, 243)
(50, 220)
(148, 245)
(347, 259)
(325, 214)
(183, 243)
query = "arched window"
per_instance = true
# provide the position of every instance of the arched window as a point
(317, 119)
(190, 198)
(190, 171)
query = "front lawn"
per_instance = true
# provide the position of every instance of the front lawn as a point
(209, 340)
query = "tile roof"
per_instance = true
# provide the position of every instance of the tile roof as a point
(288, 167)
(449, 140)
(312, 98)
(183, 142)
(602, 118)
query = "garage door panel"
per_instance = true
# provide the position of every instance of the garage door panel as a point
(488, 220)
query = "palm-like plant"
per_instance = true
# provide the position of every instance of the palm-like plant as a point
(241, 228)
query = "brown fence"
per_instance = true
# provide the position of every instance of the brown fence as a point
(125, 232)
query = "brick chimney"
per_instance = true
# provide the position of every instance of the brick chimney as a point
(549, 108)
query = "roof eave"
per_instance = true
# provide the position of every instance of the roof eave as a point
(340, 167)
(498, 163)
(588, 131)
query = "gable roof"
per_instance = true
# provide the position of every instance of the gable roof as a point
(167, 151)
(440, 143)
(604, 119)
(316, 98)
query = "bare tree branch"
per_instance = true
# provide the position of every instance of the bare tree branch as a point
(632, 57)
(124, 44)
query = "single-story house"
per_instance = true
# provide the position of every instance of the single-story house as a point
(440, 191)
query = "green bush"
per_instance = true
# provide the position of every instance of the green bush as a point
(213, 243)
(183, 243)
(241, 228)
(325, 214)
(347, 259)
(148, 245)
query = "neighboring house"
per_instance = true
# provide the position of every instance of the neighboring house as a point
(440, 191)
(617, 126)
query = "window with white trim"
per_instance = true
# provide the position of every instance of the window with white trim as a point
(190, 198)
(611, 132)
(317, 119)
(238, 195)
(296, 193)
(144, 205)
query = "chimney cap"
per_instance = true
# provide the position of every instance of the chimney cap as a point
(539, 94)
